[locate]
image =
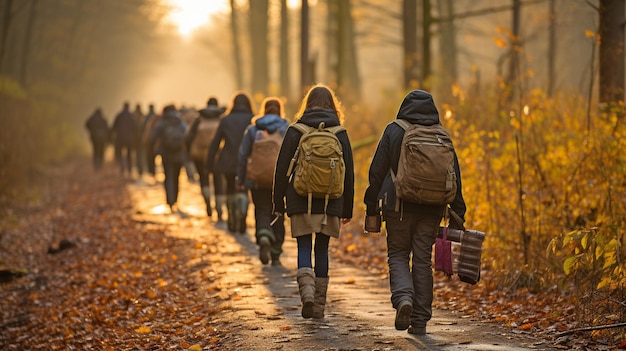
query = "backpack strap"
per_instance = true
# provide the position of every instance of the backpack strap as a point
(402, 123)
(399, 207)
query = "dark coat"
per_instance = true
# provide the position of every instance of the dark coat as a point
(170, 118)
(125, 128)
(417, 107)
(210, 112)
(230, 130)
(283, 187)
(98, 127)
(271, 123)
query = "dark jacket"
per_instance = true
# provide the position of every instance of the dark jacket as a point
(98, 127)
(125, 128)
(211, 112)
(283, 187)
(170, 118)
(230, 131)
(417, 107)
(271, 123)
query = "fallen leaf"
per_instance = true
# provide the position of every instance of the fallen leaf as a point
(143, 330)
(284, 328)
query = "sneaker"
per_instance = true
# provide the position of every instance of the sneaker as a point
(264, 249)
(415, 330)
(403, 315)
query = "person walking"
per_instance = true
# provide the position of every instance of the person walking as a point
(140, 153)
(226, 142)
(268, 128)
(411, 227)
(125, 131)
(200, 133)
(314, 217)
(98, 135)
(146, 131)
(170, 133)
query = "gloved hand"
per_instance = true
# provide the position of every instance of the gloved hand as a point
(456, 222)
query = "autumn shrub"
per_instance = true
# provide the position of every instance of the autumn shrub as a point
(543, 178)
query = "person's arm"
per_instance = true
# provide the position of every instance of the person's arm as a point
(348, 182)
(379, 167)
(281, 178)
(458, 204)
(215, 145)
(245, 149)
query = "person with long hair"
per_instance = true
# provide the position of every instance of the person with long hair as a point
(226, 142)
(268, 126)
(314, 222)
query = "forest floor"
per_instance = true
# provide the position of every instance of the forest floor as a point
(137, 277)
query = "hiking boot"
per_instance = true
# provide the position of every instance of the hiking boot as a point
(403, 315)
(306, 286)
(276, 262)
(415, 330)
(264, 250)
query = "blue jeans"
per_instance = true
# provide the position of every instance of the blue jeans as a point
(414, 235)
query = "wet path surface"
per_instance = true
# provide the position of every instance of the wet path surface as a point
(261, 306)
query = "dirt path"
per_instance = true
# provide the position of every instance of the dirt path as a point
(264, 306)
(140, 278)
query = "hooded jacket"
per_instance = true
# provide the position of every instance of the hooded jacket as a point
(417, 107)
(271, 123)
(230, 130)
(283, 187)
(211, 112)
(170, 118)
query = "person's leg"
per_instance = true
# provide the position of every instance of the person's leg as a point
(129, 160)
(118, 157)
(203, 177)
(219, 189)
(278, 228)
(263, 232)
(169, 169)
(321, 255)
(425, 230)
(398, 255)
(306, 275)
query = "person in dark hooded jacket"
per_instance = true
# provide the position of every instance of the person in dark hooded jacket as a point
(172, 154)
(414, 229)
(99, 135)
(319, 105)
(125, 130)
(226, 143)
(269, 237)
(199, 136)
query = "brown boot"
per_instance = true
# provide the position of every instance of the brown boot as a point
(306, 285)
(319, 302)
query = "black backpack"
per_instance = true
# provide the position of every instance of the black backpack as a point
(173, 136)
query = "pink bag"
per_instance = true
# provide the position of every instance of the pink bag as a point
(443, 254)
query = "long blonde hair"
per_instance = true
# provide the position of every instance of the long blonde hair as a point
(320, 96)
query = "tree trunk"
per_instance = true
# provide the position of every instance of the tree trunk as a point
(236, 47)
(332, 66)
(512, 80)
(258, 37)
(305, 72)
(284, 50)
(409, 34)
(426, 38)
(6, 24)
(27, 40)
(448, 46)
(611, 51)
(347, 77)
(551, 48)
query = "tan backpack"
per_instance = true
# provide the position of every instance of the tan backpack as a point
(318, 168)
(199, 149)
(262, 160)
(426, 172)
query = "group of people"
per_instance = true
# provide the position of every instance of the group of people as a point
(220, 142)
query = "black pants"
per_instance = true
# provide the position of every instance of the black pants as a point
(124, 156)
(171, 168)
(262, 199)
(98, 153)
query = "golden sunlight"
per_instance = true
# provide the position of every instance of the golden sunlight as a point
(189, 15)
